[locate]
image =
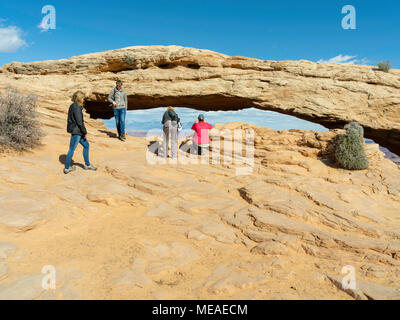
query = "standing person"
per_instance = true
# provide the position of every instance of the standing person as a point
(201, 138)
(170, 132)
(76, 127)
(119, 100)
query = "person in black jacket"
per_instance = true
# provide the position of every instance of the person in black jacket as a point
(76, 127)
(170, 132)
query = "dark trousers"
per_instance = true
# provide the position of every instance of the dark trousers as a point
(197, 149)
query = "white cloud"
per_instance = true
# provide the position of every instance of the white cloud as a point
(10, 39)
(363, 61)
(345, 59)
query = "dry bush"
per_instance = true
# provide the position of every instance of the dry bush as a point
(19, 128)
(385, 66)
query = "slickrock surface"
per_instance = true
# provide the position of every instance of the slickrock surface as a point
(328, 94)
(134, 230)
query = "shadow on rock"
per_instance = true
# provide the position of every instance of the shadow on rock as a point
(154, 147)
(62, 158)
(109, 133)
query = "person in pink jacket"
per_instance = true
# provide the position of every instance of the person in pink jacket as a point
(201, 138)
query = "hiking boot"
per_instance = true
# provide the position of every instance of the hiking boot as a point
(70, 169)
(90, 167)
(123, 138)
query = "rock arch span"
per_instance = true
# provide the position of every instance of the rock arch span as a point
(155, 76)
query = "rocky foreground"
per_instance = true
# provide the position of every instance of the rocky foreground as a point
(133, 230)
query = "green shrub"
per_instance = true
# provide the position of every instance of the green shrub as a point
(19, 128)
(349, 148)
(385, 66)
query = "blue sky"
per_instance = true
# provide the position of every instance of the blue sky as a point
(269, 30)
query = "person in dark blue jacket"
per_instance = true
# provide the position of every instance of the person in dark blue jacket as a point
(76, 127)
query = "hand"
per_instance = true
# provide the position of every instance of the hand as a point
(196, 121)
(114, 104)
(84, 137)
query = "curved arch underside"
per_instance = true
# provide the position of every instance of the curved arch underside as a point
(99, 109)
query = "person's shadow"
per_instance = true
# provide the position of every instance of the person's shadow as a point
(187, 147)
(109, 133)
(154, 147)
(63, 158)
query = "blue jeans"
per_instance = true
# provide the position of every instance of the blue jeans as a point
(75, 140)
(120, 115)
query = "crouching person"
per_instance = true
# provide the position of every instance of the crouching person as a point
(76, 127)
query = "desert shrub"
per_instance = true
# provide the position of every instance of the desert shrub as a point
(385, 66)
(19, 128)
(349, 148)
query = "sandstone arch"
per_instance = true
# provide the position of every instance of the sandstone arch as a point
(154, 76)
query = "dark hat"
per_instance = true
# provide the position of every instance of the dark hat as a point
(201, 117)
